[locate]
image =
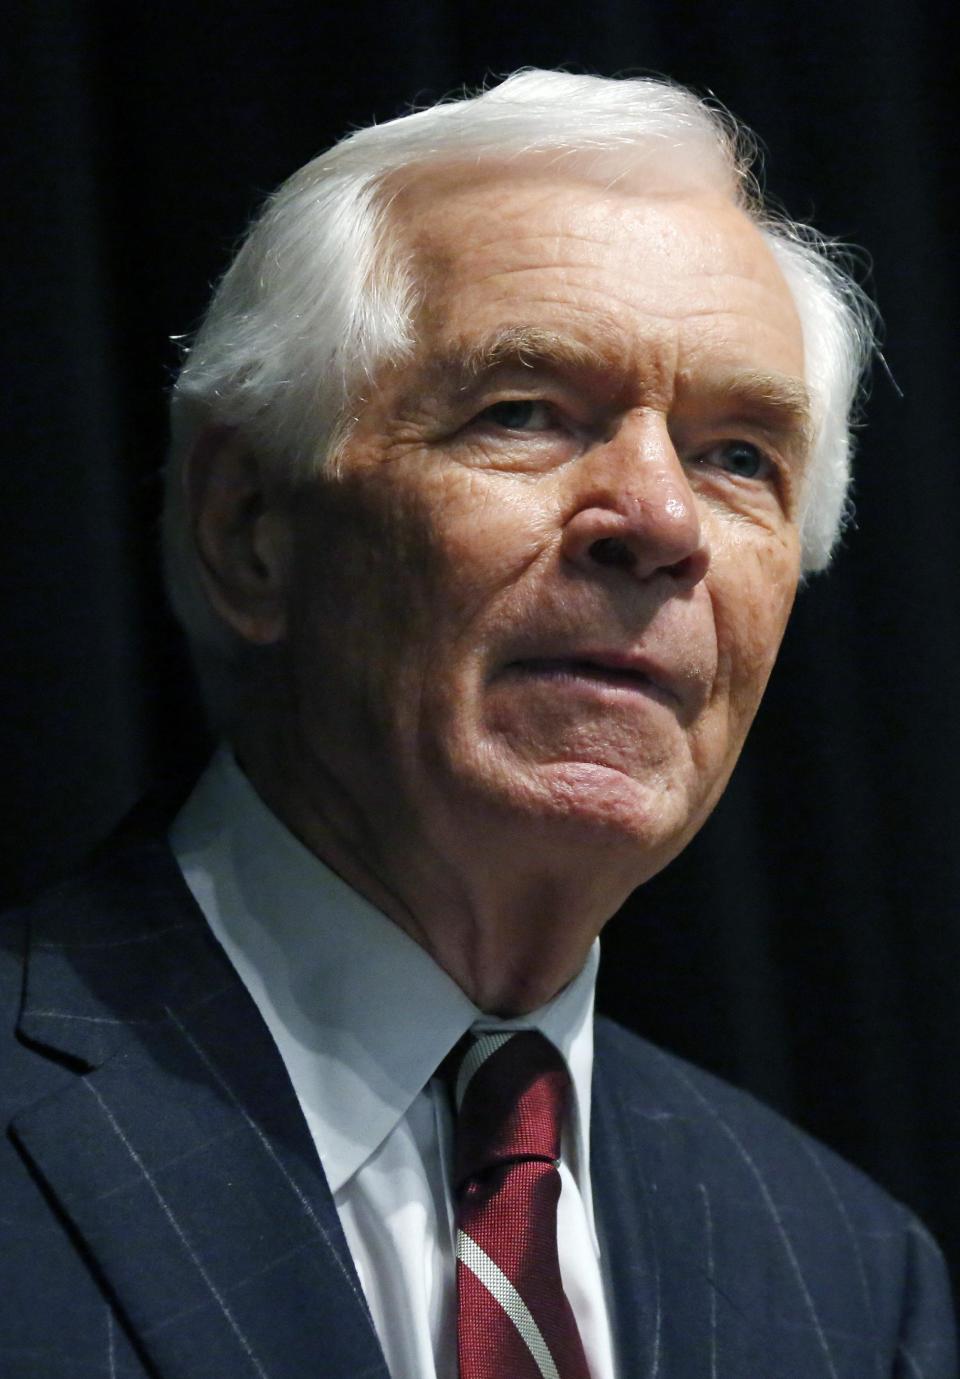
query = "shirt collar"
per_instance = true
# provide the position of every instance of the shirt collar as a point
(361, 1014)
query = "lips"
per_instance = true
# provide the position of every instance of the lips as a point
(612, 669)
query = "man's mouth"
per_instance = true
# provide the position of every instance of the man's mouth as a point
(619, 672)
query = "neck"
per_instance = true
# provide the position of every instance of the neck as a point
(511, 933)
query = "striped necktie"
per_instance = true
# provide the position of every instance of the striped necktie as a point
(514, 1320)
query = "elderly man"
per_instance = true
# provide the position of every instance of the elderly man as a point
(495, 465)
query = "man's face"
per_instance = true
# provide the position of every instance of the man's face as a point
(540, 596)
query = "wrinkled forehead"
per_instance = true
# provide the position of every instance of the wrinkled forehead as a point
(496, 247)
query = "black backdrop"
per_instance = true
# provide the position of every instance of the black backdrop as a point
(807, 945)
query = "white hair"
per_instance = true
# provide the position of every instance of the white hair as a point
(323, 291)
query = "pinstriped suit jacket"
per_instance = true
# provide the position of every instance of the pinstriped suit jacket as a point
(163, 1211)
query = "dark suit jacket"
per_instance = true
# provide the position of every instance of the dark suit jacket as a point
(164, 1212)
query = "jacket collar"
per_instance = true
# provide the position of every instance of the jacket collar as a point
(178, 1152)
(111, 951)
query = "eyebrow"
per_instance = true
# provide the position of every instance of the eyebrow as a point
(519, 347)
(778, 401)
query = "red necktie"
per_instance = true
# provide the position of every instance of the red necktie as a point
(514, 1320)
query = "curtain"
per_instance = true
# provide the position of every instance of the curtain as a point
(807, 944)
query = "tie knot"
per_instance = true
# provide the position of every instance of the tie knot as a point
(510, 1093)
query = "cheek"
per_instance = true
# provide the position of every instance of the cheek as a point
(477, 538)
(398, 575)
(358, 586)
(491, 528)
(752, 596)
(365, 561)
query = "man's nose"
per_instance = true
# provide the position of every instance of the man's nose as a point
(635, 509)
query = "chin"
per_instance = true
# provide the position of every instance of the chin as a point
(589, 808)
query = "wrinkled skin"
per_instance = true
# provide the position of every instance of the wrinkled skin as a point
(522, 644)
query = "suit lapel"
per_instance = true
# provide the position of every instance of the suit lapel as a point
(671, 1221)
(655, 1227)
(179, 1152)
(629, 1246)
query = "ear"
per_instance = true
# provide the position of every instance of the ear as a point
(241, 535)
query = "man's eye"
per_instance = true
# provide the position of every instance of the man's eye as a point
(520, 414)
(741, 458)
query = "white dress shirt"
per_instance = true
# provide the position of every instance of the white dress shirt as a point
(362, 1016)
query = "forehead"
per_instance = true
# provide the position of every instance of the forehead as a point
(665, 281)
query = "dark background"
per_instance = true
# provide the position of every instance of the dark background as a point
(807, 945)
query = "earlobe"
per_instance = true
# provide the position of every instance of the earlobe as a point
(241, 536)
